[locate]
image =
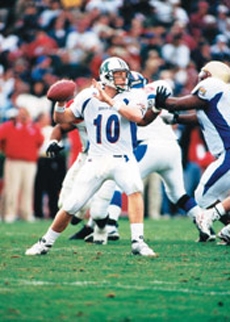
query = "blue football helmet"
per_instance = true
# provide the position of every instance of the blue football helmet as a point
(137, 80)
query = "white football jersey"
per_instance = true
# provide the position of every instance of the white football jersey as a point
(156, 130)
(108, 132)
(215, 119)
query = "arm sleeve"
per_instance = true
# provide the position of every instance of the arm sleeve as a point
(208, 88)
(80, 101)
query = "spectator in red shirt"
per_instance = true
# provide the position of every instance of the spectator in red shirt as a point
(197, 19)
(22, 139)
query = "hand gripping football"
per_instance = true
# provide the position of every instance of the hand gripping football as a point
(62, 90)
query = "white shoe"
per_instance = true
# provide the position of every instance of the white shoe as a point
(9, 219)
(223, 243)
(31, 219)
(204, 221)
(100, 236)
(224, 235)
(141, 248)
(40, 248)
(113, 233)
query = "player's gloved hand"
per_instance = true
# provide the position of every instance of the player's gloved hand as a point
(161, 95)
(53, 149)
(169, 118)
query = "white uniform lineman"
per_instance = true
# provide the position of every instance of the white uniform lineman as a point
(160, 152)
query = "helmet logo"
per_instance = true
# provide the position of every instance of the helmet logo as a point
(105, 67)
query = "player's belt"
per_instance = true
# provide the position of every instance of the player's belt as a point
(121, 156)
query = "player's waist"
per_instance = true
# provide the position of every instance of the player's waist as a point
(116, 156)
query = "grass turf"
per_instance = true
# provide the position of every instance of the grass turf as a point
(82, 282)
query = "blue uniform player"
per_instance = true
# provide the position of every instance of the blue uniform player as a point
(211, 100)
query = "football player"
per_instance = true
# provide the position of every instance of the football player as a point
(211, 100)
(109, 109)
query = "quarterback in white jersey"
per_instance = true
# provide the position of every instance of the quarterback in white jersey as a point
(109, 110)
(211, 99)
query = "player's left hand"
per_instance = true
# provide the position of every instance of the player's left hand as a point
(53, 149)
(161, 95)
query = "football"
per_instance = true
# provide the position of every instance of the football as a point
(62, 90)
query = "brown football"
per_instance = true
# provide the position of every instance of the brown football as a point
(62, 90)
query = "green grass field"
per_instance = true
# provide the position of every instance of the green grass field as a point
(83, 282)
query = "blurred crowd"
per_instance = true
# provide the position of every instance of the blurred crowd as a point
(42, 41)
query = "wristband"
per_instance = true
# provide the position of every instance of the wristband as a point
(53, 141)
(59, 109)
(155, 110)
(117, 105)
(151, 105)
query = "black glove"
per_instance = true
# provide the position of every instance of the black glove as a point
(53, 149)
(161, 96)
